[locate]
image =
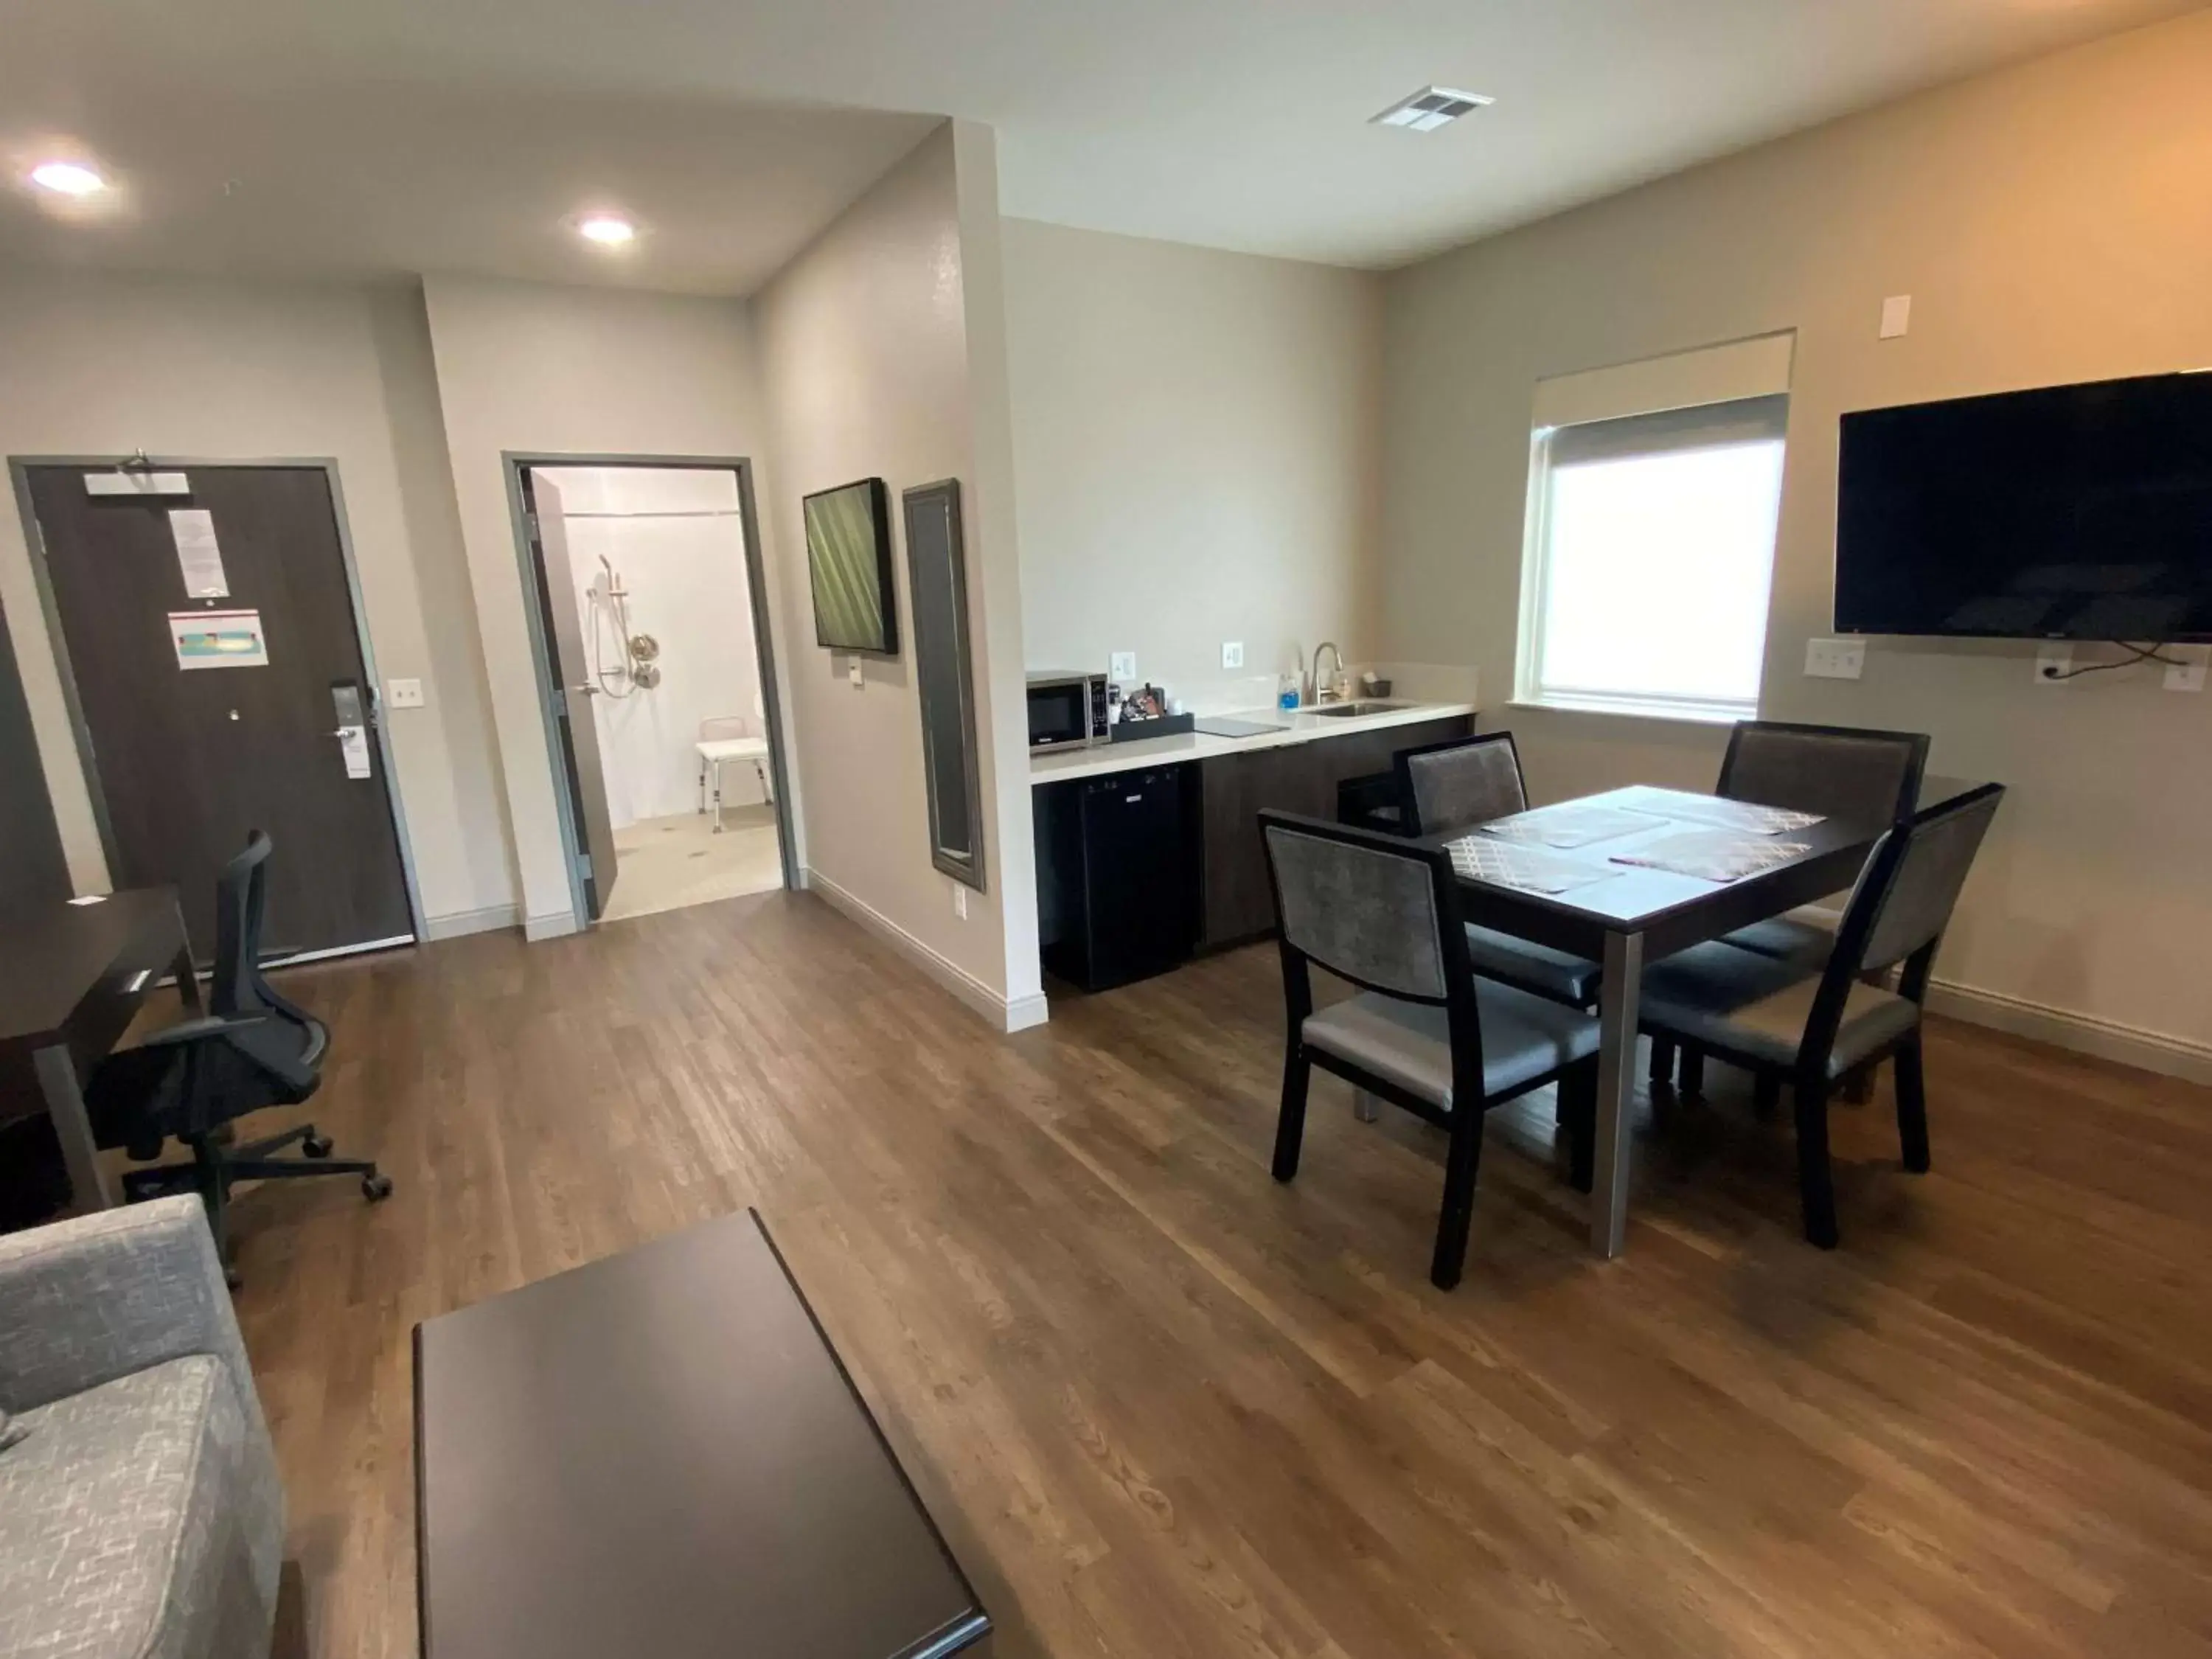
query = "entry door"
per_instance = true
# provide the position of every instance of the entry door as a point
(188, 759)
(571, 691)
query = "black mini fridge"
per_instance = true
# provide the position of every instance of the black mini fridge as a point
(1118, 875)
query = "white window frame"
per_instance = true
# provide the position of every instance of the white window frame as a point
(1735, 420)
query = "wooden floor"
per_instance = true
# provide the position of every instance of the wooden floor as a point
(1162, 1406)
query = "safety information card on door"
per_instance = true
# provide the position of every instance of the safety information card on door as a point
(218, 639)
(197, 553)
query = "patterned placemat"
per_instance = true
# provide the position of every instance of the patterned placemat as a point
(1746, 817)
(1712, 856)
(1507, 864)
(1570, 825)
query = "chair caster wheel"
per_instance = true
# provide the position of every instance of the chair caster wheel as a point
(375, 1186)
(318, 1146)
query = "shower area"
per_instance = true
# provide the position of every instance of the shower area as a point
(656, 558)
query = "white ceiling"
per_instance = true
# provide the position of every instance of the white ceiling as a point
(385, 136)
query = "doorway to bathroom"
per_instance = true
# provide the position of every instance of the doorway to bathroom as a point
(657, 669)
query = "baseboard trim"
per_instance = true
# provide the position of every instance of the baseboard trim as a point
(2130, 1045)
(556, 924)
(1017, 1015)
(457, 924)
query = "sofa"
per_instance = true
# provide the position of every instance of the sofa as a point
(140, 1517)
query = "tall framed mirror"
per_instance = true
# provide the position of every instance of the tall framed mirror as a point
(937, 571)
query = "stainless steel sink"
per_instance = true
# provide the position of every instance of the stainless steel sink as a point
(1339, 711)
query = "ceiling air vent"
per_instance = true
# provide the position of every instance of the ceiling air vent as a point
(1429, 108)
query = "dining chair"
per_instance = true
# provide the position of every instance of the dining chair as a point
(1809, 1028)
(1422, 1032)
(1456, 785)
(1850, 772)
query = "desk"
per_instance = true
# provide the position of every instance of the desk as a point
(72, 978)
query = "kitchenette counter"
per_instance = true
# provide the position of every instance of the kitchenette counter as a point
(1301, 725)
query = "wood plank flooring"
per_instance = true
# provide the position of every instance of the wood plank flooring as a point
(1163, 1408)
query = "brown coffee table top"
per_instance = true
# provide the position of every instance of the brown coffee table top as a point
(660, 1453)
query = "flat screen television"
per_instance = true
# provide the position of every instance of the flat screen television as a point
(2078, 512)
(848, 564)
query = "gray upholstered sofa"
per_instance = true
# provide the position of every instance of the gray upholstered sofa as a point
(140, 1512)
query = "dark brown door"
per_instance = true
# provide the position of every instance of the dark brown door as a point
(187, 760)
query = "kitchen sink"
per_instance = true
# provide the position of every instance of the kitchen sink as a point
(1339, 711)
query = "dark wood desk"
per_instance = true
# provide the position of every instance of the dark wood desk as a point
(72, 978)
(660, 1453)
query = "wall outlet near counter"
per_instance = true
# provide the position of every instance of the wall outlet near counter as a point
(2054, 663)
(1835, 659)
(2187, 673)
(1121, 667)
(1232, 654)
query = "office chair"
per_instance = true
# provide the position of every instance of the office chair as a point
(254, 1049)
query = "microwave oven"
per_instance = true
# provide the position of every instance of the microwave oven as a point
(1067, 711)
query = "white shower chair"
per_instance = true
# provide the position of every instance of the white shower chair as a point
(729, 738)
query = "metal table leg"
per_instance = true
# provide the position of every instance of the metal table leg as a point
(1616, 1089)
(717, 764)
(57, 1074)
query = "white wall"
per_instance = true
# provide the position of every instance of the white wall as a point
(107, 365)
(676, 540)
(883, 353)
(2049, 222)
(1197, 437)
(533, 367)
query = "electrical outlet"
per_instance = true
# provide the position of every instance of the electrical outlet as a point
(960, 900)
(2053, 663)
(1232, 654)
(852, 673)
(403, 694)
(1121, 667)
(2188, 674)
(1835, 659)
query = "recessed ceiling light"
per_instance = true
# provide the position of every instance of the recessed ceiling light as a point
(606, 230)
(67, 178)
(1429, 108)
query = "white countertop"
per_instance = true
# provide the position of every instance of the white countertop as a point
(1301, 725)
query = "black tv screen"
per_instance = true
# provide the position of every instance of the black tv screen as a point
(848, 564)
(2078, 512)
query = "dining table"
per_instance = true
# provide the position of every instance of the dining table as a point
(1632, 875)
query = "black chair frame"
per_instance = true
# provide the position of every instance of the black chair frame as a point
(1471, 1104)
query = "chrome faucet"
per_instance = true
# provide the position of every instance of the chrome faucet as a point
(1325, 691)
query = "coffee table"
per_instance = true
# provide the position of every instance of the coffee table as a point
(661, 1453)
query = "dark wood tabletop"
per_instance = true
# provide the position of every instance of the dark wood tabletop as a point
(54, 957)
(660, 1453)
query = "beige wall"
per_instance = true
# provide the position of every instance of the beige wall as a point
(2050, 223)
(533, 367)
(881, 356)
(1197, 437)
(103, 366)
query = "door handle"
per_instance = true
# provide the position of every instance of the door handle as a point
(589, 690)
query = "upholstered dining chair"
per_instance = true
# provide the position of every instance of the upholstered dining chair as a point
(1809, 1027)
(1445, 787)
(1422, 1032)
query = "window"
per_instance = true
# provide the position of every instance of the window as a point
(1650, 553)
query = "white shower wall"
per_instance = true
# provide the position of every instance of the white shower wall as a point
(676, 537)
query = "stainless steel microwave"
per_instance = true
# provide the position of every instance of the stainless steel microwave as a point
(1067, 711)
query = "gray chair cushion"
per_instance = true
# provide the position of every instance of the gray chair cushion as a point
(1409, 1043)
(1531, 967)
(128, 1520)
(1754, 1005)
(1805, 938)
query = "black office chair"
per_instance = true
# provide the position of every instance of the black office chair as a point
(255, 1048)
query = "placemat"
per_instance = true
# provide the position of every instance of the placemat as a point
(1712, 856)
(1741, 815)
(1504, 864)
(1570, 825)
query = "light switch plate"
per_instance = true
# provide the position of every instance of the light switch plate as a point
(403, 694)
(1232, 654)
(2052, 664)
(1835, 659)
(960, 901)
(1121, 667)
(2187, 674)
(1896, 316)
(852, 673)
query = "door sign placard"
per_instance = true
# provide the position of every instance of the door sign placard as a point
(218, 639)
(198, 555)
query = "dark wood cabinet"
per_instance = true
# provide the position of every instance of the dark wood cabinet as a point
(1299, 777)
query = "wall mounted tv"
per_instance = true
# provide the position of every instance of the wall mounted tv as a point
(848, 563)
(2078, 512)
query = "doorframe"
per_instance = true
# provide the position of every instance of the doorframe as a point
(513, 463)
(35, 538)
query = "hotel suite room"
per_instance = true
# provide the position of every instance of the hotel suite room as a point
(1456, 920)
